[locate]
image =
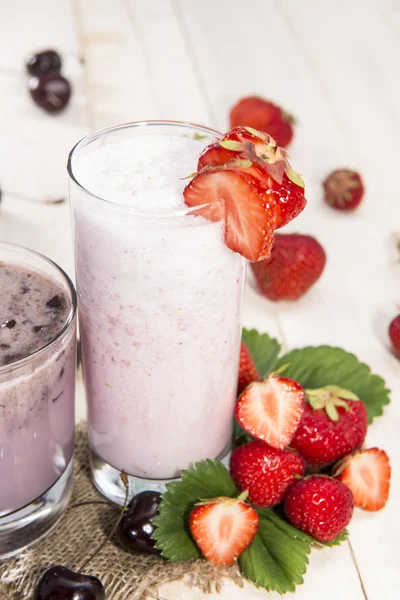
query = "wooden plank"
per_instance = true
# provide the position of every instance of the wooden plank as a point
(320, 582)
(34, 146)
(27, 27)
(137, 63)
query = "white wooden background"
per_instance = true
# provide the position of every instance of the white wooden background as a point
(335, 65)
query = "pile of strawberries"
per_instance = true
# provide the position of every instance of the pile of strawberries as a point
(306, 454)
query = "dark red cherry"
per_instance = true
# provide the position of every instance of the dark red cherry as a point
(44, 62)
(60, 583)
(50, 91)
(136, 528)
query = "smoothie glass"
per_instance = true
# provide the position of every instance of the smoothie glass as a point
(37, 394)
(160, 299)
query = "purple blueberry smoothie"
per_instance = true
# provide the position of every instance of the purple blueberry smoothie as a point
(37, 384)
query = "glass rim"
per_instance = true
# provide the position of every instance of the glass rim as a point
(71, 315)
(151, 212)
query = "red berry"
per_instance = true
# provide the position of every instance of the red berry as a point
(322, 440)
(320, 506)
(247, 369)
(266, 473)
(296, 263)
(271, 410)
(223, 528)
(246, 180)
(250, 220)
(263, 115)
(50, 91)
(343, 189)
(394, 334)
(367, 474)
(282, 182)
(44, 62)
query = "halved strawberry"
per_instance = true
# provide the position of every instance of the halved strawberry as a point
(271, 410)
(367, 474)
(247, 369)
(223, 528)
(249, 217)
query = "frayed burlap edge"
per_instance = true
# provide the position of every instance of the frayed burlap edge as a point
(125, 576)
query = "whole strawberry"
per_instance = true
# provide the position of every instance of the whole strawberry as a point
(394, 334)
(266, 473)
(247, 369)
(320, 506)
(264, 115)
(334, 423)
(296, 263)
(343, 189)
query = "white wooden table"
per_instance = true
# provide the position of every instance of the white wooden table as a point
(334, 64)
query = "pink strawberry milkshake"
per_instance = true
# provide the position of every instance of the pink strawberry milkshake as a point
(160, 299)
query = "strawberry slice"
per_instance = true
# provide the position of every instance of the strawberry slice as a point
(249, 217)
(271, 410)
(256, 153)
(223, 528)
(247, 369)
(367, 474)
(215, 155)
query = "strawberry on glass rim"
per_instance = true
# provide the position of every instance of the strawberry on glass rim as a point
(249, 177)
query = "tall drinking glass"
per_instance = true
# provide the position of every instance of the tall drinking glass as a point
(160, 298)
(37, 393)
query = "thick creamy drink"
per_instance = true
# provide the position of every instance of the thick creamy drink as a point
(160, 299)
(37, 387)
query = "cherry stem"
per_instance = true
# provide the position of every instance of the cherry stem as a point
(88, 503)
(124, 479)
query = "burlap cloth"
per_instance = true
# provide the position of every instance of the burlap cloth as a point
(125, 576)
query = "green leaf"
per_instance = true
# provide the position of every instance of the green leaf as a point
(209, 479)
(342, 537)
(277, 558)
(315, 367)
(263, 349)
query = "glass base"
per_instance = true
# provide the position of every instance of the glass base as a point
(107, 479)
(28, 525)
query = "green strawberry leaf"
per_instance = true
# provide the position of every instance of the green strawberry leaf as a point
(209, 479)
(315, 367)
(263, 349)
(277, 558)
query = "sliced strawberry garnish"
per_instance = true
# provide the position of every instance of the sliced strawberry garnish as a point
(367, 474)
(247, 369)
(223, 528)
(249, 216)
(215, 155)
(283, 182)
(271, 410)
